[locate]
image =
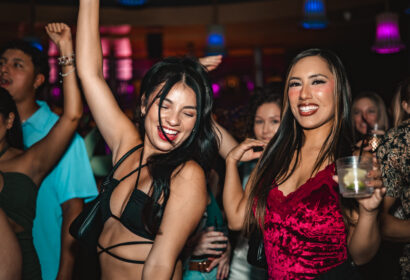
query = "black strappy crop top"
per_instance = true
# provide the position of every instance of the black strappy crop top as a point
(131, 217)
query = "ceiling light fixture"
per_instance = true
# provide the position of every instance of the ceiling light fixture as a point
(314, 14)
(387, 34)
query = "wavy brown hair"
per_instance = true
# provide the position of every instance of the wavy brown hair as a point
(275, 165)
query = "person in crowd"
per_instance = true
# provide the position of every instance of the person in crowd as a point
(23, 72)
(209, 250)
(23, 171)
(400, 105)
(394, 155)
(10, 251)
(368, 109)
(292, 196)
(263, 122)
(157, 194)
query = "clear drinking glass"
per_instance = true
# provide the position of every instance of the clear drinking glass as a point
(352, 173)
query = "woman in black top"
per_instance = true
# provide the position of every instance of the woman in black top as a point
(160, 192)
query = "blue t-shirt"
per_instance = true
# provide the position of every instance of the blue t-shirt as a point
(71, 178)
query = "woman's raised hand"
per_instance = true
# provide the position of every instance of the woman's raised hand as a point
(60, 34)
(247, 150)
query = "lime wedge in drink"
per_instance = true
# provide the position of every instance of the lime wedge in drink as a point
(354, 175)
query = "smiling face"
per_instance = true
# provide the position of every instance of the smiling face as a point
(311, 93)
(365, 113)
(178, 116)
(266, 122)
(17, 75)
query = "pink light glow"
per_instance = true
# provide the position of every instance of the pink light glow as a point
(105, 45)
(124, 69)
(53, 75)
(216, 89)
(122, 47)
(387, 34)
(387, 30)
(250, 85)
(106, 68)
(130, 89)
(52, 49)
(387, 50)
(56, 92)
(116, 29)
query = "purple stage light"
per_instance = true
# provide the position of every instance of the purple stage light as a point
(387, 34)
(56, 91)
(216, 89)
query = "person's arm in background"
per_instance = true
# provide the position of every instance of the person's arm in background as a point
(393, 229)
(10, 251)
(211, 62)
(392, 158)
(60, 34)
(226, 140)
(71, 209)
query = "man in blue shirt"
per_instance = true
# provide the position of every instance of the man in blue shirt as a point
(23, 71)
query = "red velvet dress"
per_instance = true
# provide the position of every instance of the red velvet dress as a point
(304, 232)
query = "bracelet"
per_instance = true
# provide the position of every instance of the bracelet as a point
(66, 60)
(67, 73)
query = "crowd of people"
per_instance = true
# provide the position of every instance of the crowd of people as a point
(166, 210)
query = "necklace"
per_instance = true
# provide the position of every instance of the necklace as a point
(2, 152)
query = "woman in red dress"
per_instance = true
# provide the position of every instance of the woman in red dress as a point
(292, 195)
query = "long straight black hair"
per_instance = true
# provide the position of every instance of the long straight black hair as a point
(275, 164)
(201, 145)
(14, 135)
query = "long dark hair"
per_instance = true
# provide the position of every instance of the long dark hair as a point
(262, 95)
(275, 163)
(14, 135)
(200, 146)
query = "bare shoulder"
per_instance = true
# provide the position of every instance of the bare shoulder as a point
(189, 179)
(190, 170)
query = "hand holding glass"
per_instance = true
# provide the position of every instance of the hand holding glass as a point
(352, 172)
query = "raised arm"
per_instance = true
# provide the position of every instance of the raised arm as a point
(184, 209)
(234, 198)
(226, 140)
(38, 160)
(117, 130)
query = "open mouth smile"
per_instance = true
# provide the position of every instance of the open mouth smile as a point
(4, 82)
(308, 110)
(170, 134)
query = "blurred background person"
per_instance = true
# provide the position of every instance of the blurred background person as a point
(368, 109)
(262, 124)
(24, 72)
(394, 155)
